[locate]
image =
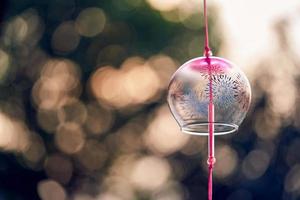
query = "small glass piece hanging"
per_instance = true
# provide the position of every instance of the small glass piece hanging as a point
(209, 96)
(189, 95)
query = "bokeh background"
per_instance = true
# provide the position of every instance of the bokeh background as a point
(83, 113)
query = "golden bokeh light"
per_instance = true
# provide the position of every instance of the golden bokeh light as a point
(128, 138)
(118, 185)
(141, 83)
(227, 161)
(35, 152)
(90, 21)
(14, 135)
(48, 119)
(109, 196)
(122, 165)
(23, 29)
(163, 135)
(93, 155)
(99, 119)
(150, 173)
(107, 85)
(170, 191)
(135, 83)
(4, 64)
(51, 190)
(72, 111)
(59, 79)
(165, 5)
(59, 168)
(16, 31)
(64, 71)
(255, 164)
(83, 197)
(70, 138)
(164, 66)
(65, 38)
(195, 145)
(267, 124)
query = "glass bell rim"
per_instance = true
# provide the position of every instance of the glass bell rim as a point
(189, 128)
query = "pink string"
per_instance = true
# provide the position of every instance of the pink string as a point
(211, 157)
(210, 182)
(207, 50)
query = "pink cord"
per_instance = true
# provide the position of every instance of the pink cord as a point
(210, 182)
(207, 50)
(211, 157)
(211, 154)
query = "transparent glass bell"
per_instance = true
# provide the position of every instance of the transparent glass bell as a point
(188, 95)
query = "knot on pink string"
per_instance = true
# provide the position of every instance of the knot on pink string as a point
(207, 52)
(211, 161)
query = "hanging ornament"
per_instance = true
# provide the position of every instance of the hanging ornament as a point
(209, 96)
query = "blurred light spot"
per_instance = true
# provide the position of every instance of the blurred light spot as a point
(93, 155)
(194, 21)
(170, 191)
(72, 111)
(267, 124)
(171, 16)
(227, 161)
(109, 196)
(59, 80)
(165, 5)
(35, 152)
(64, 71)
(278, 101)
(83, 197)
(107, 85)
(122, 166)
(194, 145)
(141, 83)
(135, 83)
(47, 94)
(69, 138)
(59, 168)
(65, 38)
(51, 190)
(120, 186)
(99, 120)
(24, 30)
(255, 164)
(164, 66)
(293, 34)
(6, 131)
(150, 173)
(35, 26)
(13, 134)
(90, 22)
(16, 31)
(163, 135)
(128, 139)
(4, 64)
(48, 120)
(292, 179)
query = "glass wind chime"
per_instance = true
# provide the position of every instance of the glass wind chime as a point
(209, 96)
